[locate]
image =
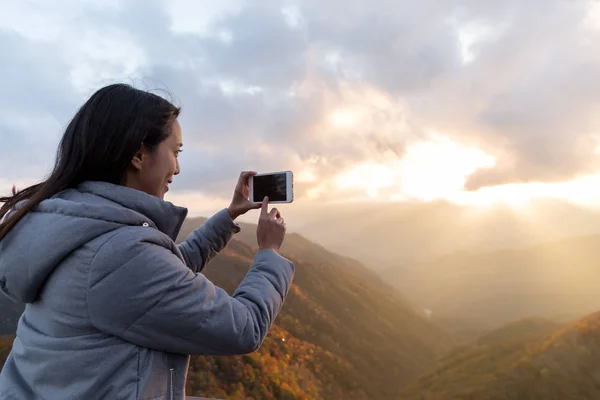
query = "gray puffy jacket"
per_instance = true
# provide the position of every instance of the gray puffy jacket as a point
(115, 307)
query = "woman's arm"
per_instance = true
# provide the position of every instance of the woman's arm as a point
(212, 237)
(208, 240)
(143, 293)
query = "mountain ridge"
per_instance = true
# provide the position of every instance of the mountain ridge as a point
(546, 280)
(395, 233)
(538, 359)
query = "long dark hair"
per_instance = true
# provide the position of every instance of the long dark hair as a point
(98, 144)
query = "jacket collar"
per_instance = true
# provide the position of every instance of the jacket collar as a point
(161, 214)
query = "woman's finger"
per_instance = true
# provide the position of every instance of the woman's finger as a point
(274, 214)
(244, 180)
(264, 206)
(245, 176)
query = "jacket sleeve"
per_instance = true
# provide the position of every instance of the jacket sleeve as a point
(145, 294)
(204, 243)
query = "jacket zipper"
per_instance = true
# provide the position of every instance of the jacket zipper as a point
(172, 371)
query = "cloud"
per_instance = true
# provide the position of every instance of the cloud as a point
(547, 117)
(530, 96)
(32, 105)
(312, 86)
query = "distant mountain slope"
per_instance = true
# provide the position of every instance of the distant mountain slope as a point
(380, 340)
(549, 280)
(527, 359)
(383, 234)
(565, 366)
(481, 370)
(523, 330)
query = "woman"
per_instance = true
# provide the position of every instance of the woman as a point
(113, 306)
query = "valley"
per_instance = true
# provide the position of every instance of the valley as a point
(469, 325)
(556, 280)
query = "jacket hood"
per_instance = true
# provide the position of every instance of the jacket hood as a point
(56, 227)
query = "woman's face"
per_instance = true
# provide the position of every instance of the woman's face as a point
(153, 170)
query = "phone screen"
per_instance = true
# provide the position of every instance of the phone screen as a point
(272, 185)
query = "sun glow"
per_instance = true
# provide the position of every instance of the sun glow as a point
(429, 170)
(371, 177)
(343, 118)
(437, 170)
(584, 191)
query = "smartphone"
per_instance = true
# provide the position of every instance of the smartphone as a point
(278, 186)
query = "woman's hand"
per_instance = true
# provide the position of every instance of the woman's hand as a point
(241, 204)
(271, 228)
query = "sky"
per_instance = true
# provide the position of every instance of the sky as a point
(470, 101)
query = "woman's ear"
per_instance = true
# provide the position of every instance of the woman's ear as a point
(137, 160)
